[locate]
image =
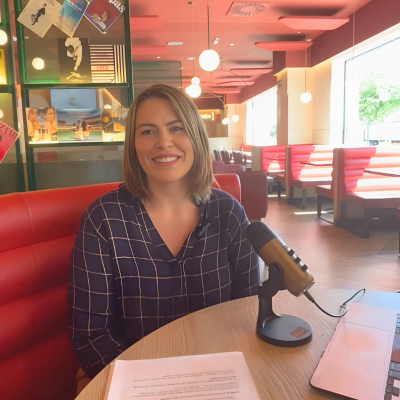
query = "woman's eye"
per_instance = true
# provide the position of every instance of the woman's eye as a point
(176, 129)
(147, 132)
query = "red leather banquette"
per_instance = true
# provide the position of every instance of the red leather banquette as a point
(37, 230)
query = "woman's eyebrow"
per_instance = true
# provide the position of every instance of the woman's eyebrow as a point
(154, 126)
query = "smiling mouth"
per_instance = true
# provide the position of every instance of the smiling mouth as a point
(165, 159)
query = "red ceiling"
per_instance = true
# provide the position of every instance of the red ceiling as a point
(313, 23)
(284, 46)
(243, 32)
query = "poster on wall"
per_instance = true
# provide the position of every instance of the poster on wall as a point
(102, 13)
(42, 125)
(74, 60)
(69, 16)
(108, 63)
(38, 15)
(3, 77)
(79, 125)
(7, 138)
(113, 124)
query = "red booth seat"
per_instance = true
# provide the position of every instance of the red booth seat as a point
(37, 230)
(366, 190)
(308, 176)
(245, 147)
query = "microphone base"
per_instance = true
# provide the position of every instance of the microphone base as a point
(285, 331)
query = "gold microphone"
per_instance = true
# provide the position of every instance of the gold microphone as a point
(272, 250)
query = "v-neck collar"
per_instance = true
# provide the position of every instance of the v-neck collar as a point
(159, 243)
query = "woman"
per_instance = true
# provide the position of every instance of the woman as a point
(50, 117)
(143, 256)
(32, 125)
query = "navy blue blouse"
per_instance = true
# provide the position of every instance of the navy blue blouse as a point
(124, 283)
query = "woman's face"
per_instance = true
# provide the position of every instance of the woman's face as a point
(104, 16)
(164, 149)
(32, 115)
(50, 114)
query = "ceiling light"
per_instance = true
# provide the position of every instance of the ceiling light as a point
(235, 118)
(180, 68)
(309, 40)
(193, 91)
(225, 121)
(305, 97)
(209, 60)
(1, 114)
(195, 80)
(38, 63)
(158, 57)
(215, 41)
(232, 44)
(174, 43)
(3, 38)
(191, 58)
(107, 107)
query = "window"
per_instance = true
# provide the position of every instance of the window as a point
(261, 118)
(372, 96)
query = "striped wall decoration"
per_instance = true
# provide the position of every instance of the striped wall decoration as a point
(108, 63)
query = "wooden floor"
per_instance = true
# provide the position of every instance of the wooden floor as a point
(337, 257)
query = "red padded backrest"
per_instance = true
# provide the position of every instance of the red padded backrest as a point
(353, 162)
(273, 152)
(229, 183)
(37, 230)
(227, 168)
(306, 153)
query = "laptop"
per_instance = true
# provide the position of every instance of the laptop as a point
(362, 360)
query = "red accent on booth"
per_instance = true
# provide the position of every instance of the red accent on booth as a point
(313, 23)
(273, 167)
(284, 46)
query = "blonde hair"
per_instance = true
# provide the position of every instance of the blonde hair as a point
(200, 176)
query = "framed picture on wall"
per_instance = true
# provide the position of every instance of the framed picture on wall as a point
(102, 13)
(42, 125)
(7, 138)
(74, 60)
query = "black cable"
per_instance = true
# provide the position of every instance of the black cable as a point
(343, 305)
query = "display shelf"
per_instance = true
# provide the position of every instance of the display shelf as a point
(10, 88)
(28, 83)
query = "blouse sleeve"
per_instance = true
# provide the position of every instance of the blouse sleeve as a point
(242, 258)
(92, 300)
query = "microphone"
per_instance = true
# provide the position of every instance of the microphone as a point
(272, 250)
(204, 225)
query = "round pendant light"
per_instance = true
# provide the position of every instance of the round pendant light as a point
(209, 60)
(193, 91)
(235, 118)
(195, 80)
(3, 38)
(225, 121)
(38, 63)
(305, 97)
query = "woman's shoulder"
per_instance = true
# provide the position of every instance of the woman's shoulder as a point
(225, 201)
(108, 205)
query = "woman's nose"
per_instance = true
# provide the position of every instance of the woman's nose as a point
(164, 139)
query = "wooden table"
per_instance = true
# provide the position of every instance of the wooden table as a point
(279, 373)
(394, 172)
(317, 163)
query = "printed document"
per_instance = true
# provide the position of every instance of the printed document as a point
(223, 376)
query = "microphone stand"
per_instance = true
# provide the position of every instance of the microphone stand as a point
(275, 329)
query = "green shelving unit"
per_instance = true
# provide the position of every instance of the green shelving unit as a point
(41, 82)
(11, 172)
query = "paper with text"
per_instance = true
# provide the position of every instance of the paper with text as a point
(223, 376)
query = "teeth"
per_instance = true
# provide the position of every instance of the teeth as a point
(167, 159)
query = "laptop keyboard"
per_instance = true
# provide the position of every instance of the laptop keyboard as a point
(394, 367)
